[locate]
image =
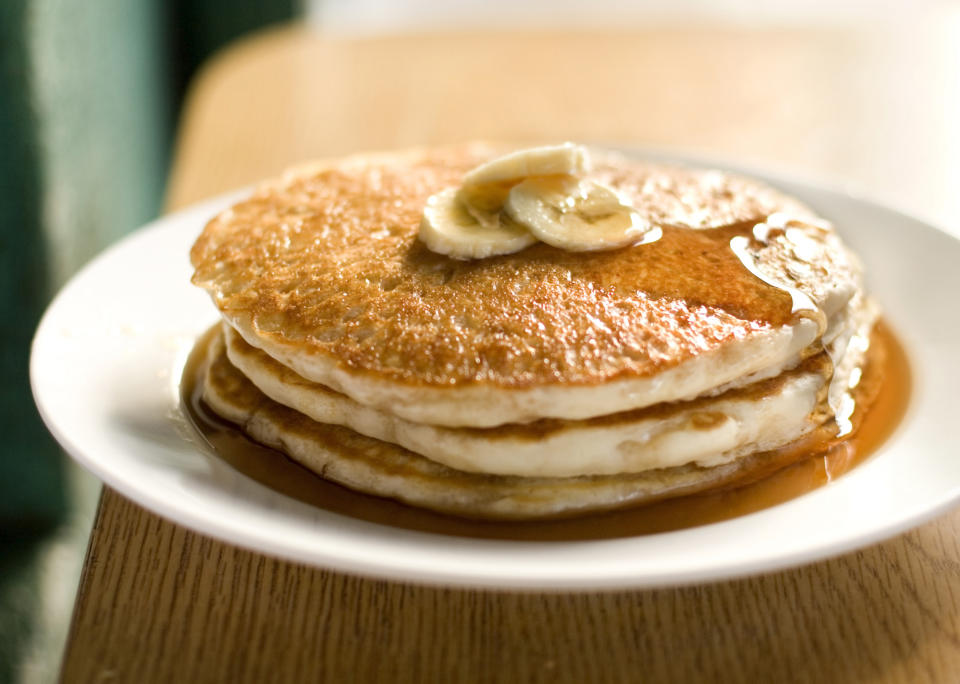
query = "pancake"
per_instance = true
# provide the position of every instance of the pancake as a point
(322, 270)
(512, 378)
(382, 469)
(707, 431)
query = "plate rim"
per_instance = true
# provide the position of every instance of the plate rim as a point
(262, 544)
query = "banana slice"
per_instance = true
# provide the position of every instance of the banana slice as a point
(449, 228)
(486, 187)
(577, 215)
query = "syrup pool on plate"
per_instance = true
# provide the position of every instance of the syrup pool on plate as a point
(886, 376)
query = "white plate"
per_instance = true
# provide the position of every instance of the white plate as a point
(108, 356)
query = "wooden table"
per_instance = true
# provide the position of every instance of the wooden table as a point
(875, 106)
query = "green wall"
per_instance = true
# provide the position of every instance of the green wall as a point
(89, 93)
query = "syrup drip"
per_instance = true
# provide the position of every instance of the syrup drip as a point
(802, 305)
(840, 398)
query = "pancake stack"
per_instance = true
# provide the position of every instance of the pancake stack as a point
(543, 382)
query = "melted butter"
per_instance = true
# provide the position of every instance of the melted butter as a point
(801, 303)
(840, 399)
(883, 386)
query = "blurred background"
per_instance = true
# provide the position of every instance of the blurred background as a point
(91, 93)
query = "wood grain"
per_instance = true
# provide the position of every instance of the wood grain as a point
(158, 603)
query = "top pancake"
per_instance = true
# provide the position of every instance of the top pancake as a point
(323, 270)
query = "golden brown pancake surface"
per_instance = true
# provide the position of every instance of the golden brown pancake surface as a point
(328, 262)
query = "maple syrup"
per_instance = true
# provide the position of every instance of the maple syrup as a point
(884, 390)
